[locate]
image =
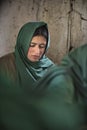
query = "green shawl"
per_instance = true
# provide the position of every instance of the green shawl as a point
(30, 72)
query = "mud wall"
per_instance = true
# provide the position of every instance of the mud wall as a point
(67, 22)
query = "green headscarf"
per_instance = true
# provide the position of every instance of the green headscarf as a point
(30, 72)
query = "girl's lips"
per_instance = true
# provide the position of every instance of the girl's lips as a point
(36, 57)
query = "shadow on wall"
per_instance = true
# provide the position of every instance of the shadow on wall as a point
(2, 1)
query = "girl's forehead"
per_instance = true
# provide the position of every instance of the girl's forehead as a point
(38, 39)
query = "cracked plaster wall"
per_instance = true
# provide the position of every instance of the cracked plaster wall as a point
(67, 22)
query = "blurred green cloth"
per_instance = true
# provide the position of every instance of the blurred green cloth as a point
(48, 107)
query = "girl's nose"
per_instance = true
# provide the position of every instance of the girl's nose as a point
(37, 50)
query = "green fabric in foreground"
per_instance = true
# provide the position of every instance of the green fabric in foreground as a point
(49, 106)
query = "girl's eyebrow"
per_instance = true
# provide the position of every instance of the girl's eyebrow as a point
(37, 43)
(33, 43)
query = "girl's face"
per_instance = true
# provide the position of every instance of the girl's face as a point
(37, 48)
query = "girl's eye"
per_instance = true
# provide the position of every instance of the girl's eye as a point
(42, 46)
(32, 45)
